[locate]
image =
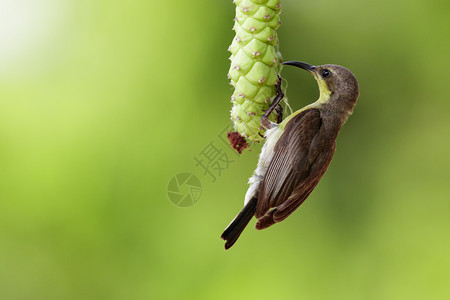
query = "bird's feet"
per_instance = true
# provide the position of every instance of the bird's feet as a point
(275, 105)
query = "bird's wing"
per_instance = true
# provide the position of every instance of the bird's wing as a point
(289, 178)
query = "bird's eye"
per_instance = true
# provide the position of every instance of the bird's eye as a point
(325, 73)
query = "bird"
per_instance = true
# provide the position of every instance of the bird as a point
(297, 151)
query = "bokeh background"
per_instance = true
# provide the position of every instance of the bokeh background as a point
(103, 102)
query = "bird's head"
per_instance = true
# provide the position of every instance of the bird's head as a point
(338, 86)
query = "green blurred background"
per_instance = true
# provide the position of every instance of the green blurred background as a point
(103, 102)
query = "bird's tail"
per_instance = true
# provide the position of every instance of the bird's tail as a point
(234, 230)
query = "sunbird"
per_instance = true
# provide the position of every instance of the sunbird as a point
(297, 151)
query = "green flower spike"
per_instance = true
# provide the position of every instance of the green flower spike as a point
(254, 67)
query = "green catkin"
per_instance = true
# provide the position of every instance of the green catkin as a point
(254, 64)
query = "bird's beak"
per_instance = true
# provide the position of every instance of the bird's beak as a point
(304, 66)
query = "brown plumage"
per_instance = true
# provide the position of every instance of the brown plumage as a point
(297, 152)
(295, 168)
